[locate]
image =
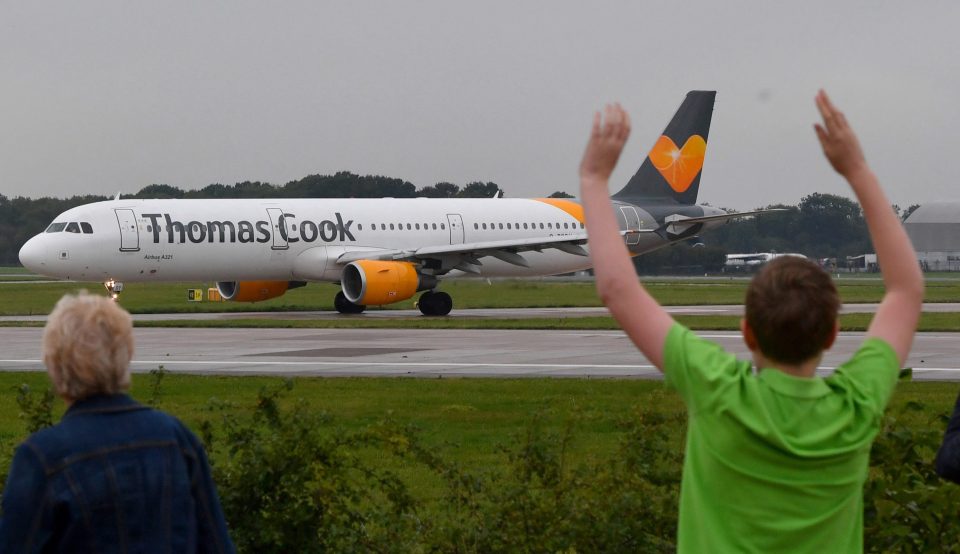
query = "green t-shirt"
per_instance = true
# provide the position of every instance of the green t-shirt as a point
(775, 463)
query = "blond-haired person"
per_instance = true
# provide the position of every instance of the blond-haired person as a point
(112, 475)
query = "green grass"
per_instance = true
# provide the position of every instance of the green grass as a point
(39, 298)
(464, 418)
(929, 322)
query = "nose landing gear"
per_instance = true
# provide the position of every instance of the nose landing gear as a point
(114, 288)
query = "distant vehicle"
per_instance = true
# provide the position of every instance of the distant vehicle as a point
(750, 262)
(380, 251)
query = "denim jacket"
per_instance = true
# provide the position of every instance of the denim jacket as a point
(112, 476)
(948, 458)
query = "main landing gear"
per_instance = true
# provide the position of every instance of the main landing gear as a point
(435, 303)
(345, 306)
(114, 288)
(430, 303)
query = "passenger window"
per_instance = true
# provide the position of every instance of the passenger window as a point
(359, 226)
(443, 226)
(501, 225)
(524, 225)
(56, 227)
(391, 226)
(72, 227)
(541, 225)
(383, 226)
(434, 226)
(417, 226)
(484, 226)
(408, 226)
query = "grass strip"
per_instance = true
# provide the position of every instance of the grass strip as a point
(467, 418)
(929, 322)
(39, 298)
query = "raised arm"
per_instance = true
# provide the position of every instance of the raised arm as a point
(899, 311)
(644, 321)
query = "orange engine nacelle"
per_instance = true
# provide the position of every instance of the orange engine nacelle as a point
(373, 283)
(254, 291)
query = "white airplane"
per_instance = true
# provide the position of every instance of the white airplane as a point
(381, 250)
(755, 260)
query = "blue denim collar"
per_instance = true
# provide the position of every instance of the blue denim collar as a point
(103, 403)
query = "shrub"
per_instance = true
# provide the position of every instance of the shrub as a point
(907, 507)
(290, 481)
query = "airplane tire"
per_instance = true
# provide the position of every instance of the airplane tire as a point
(425, 303)
(435, 303)
(345, 306)
(445, 303)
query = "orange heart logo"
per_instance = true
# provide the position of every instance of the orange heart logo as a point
(679, 166)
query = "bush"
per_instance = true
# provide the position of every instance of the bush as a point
(292, 480)
(907, 507)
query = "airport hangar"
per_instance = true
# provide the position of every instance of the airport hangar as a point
(934, 229)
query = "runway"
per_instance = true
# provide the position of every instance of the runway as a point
(478, 313)
(429, 353)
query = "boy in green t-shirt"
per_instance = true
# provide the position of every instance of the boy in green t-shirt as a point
(775, 459)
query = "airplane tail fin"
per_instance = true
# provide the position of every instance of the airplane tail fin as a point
(671, 172)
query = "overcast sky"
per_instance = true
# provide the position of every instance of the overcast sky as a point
(100, 97)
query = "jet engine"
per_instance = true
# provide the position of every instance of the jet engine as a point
(255, 291)
(373, 283)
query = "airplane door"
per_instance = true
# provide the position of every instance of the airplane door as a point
(456, 228)
(276, 219)
(129, 235)
(633, 223)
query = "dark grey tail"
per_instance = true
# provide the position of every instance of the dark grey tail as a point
(671, 172)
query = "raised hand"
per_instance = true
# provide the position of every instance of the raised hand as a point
(607, 138)
(839, 142)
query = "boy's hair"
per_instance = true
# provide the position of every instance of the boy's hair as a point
(792, 307)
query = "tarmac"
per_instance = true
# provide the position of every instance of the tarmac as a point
(429, 353)
(480, 313)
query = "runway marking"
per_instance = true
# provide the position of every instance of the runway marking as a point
(418, 364)
(380, 364)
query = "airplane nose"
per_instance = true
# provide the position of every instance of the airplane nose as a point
(33, 255)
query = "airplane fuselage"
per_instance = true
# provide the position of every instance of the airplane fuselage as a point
(381, 250)
(302, 239)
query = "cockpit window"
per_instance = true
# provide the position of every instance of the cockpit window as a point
(86, 227)
(72, 227)
(56, 227)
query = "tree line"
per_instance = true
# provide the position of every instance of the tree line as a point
(824, 227)
(819, 226)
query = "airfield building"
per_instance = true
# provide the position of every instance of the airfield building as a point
(934, 230)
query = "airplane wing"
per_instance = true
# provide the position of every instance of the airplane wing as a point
(723, 217)
(466, 256)
(677, 224)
